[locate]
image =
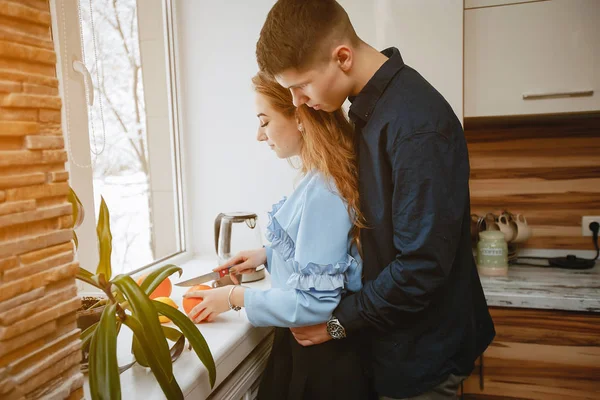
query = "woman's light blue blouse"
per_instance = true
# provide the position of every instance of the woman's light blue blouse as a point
(311, 259)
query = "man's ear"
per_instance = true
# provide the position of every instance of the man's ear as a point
(344, 57)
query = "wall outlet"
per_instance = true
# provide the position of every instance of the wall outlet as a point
(585, 224)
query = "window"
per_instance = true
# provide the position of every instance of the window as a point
(121, 126)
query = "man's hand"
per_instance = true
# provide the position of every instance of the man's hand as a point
(310, 335)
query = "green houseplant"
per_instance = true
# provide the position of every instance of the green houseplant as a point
(129, 304)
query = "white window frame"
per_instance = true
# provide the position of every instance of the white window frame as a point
(65, 27)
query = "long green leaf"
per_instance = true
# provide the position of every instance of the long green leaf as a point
(166, 381)
(104, 242)
(154, 279)
(104, 370)
(145, 311)
(86, 276)
(193, 335)
(137, 351)
(87, 334)
(171, 333)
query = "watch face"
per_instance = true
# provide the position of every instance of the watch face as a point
(335, 329)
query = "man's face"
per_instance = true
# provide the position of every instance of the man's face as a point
(324, 86)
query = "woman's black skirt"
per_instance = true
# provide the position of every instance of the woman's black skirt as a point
(331, 371)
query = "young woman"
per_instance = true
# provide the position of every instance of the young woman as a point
(313, 256)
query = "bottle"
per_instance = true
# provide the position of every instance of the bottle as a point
(492, 254)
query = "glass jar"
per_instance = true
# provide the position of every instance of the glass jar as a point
(492, 254)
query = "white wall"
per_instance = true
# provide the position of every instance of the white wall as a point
(227, 169)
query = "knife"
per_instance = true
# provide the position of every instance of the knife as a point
(211, 276)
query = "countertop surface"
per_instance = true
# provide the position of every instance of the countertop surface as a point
(545, 288)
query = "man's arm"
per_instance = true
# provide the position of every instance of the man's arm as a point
(428, 204)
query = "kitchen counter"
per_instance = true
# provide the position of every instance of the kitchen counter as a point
(545, 288)
(230, 338)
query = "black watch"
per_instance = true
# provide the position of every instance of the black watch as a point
(335, 328)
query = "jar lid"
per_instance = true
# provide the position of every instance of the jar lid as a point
(491, 235)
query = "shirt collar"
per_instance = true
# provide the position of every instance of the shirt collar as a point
(364, 103)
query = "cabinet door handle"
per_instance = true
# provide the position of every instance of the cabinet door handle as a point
(554, 95)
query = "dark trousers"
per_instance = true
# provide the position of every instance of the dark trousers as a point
(331, 371)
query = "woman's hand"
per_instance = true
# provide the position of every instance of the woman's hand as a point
(214, 302)
(244, 262)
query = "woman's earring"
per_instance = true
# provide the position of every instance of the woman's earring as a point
(301, 128)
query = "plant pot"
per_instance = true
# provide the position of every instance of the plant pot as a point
(88, 314)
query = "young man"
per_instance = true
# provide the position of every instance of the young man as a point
(422, 311)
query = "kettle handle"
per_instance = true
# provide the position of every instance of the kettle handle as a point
(218, 230)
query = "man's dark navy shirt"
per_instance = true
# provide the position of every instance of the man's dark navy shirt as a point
(422, 311)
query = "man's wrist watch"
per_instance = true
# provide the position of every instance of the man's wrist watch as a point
(335, 328)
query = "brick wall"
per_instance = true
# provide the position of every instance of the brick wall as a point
(39, 339)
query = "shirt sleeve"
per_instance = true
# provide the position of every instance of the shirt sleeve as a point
(427, 212)
(319, 260)
(269, 252)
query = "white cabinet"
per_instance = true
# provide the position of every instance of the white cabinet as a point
(532, 58)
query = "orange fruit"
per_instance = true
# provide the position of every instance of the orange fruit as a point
(163, 290)
(190, 302)
(168, 301)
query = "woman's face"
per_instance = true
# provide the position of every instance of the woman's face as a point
(280, 132)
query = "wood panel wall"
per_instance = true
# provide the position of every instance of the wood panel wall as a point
(40, 350)
(547, 168)
(539, 354)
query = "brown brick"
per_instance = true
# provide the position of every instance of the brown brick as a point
(12, 349)
(29, 323)
(22, 351)
(39, 255)
(47, 115)
(27, 53)
(54, 156)
(25, 13)
(66, 323)
(18, 114)
(14, 288)
(65, 222)
(17, 76)
(29, 28)
(44, 142)
(35, 242)
(16, 207)
(64, 386)
(9, 87)
(30, 269)
(45, 362)
(35, 215)
(7, 384)
(38, 4)
(8, 263)
(20, 157)
(77, 394)
(18, 365)
(15, 394)
(10, 35)
(38, 191)
(2, 196)
(18, 128)
(39, 89)
(22, 180)
(23, 100)
(26, 310)
(59, 176)
(22, 299)
(27, 67)
(29, 383)
(34, 228)
(59, 386)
